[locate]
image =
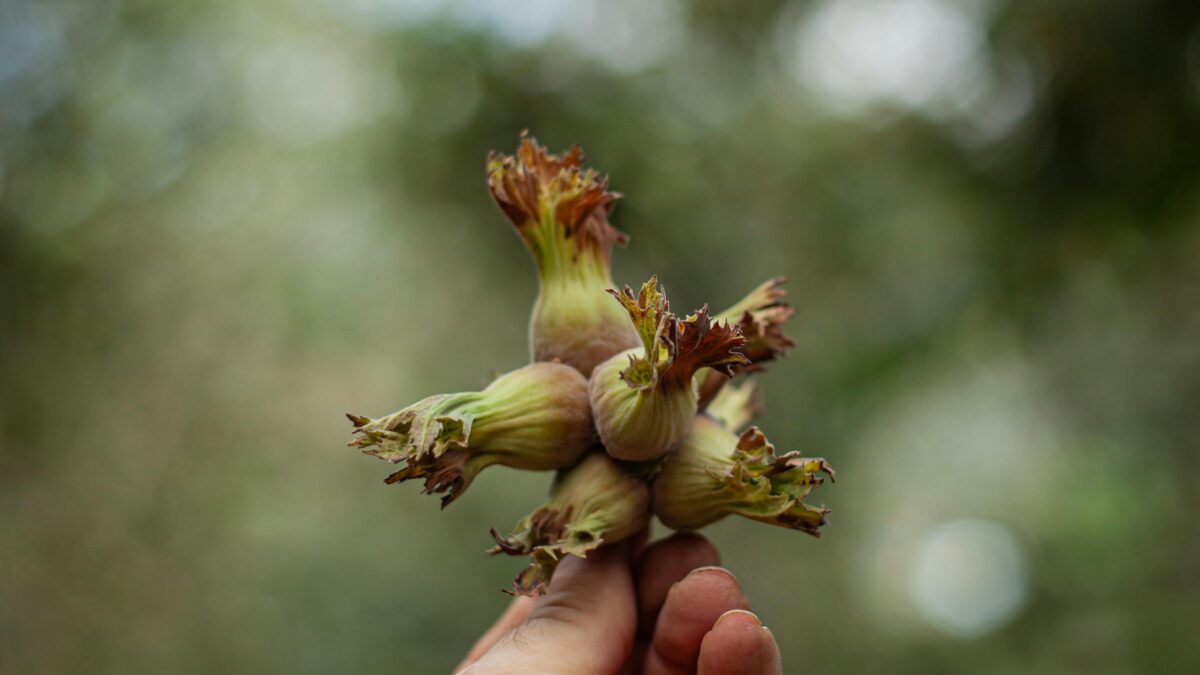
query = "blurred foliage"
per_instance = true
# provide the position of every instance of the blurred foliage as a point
(222, 224)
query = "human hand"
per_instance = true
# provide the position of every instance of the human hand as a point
(662, 609)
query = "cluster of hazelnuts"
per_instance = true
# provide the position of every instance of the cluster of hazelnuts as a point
(629, 402)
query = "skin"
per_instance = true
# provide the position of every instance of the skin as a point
(630, 609)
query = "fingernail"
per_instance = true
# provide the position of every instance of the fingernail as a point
(714, 568)
(740, 598)
(739, 612)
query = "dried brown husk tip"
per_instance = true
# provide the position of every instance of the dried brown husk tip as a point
(760, 316)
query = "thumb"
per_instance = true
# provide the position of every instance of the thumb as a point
(585, 623)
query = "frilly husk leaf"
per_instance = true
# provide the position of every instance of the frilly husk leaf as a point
(429, 440)
(773, 486)
(675, 349)
(735, 406)
(423, 430)
(760, 317)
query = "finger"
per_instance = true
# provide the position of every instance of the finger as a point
(739, 645)
(637, 658)
(636, 544)
(513, 616)
(661, 565)
(584, 624)
(692, 607)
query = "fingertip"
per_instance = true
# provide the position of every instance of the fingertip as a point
(739, 644)
(691, 609)
(716, 580)
(715, 570)
(664, 563)
(692, 543)
(741, 617)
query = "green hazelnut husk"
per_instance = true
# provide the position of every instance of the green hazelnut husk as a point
(561, 211)
(536, 418)
(596, 502)
(715, 472)
(736, 405)
(644, 399)
(638, 424)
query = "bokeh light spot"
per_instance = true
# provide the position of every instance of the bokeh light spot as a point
(969, 577)
(853, 53)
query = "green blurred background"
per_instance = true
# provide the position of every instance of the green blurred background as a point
(225, 223)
